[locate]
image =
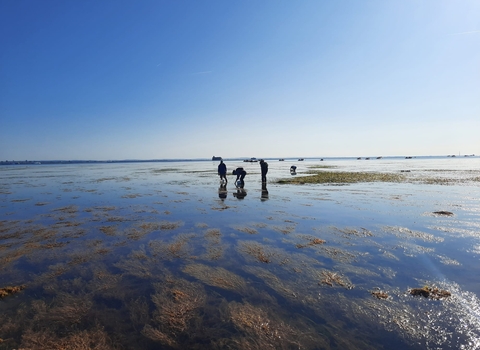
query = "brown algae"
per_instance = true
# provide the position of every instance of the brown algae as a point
(216, 277)
(6, 291)
(431, 293)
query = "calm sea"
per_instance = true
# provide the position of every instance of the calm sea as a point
(161, 255)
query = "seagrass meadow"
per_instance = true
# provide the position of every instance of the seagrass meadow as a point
(345, 254)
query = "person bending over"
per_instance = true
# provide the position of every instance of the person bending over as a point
(240, 172)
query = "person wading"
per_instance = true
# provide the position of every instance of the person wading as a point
(264, 169)
(222, 171)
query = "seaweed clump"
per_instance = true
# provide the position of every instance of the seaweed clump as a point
(6, 291)
(443, 213)
(177, 249)
(216, 277)
(331, 278)
(379, 294)
(177, 304)
(260, 331)
(257, 251)
(431, 293)
(312, 241)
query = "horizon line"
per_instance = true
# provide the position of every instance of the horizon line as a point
(223, 158)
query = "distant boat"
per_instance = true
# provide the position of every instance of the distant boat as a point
(281, 160)
(359, 158)
(217, 158)
(251, 160)
(379, 157)
(301, 159)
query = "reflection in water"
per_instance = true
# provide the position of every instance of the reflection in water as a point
(222, 191)
(241, 193)
(264, 195)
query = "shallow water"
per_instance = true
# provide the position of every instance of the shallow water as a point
(158, 255)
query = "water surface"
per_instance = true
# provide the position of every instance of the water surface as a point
(160, 256)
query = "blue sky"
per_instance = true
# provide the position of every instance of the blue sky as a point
(192, 79)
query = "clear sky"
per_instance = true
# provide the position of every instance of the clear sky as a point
(153, 79)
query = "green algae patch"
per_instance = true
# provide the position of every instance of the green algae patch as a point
(322, 166)
(342, 177)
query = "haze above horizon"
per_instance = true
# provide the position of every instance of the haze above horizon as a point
(175, 79)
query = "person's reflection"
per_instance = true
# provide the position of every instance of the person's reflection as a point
(241, 193)
(222, 191)
(264, 196)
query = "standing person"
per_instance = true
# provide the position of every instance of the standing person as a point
(264, 169)
(222, 171)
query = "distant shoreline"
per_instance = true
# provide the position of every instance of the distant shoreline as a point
(372, 158)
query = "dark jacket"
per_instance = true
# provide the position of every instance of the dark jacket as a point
(222, 168)
(264, 167)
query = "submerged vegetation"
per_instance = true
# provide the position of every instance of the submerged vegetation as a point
(111, 272)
